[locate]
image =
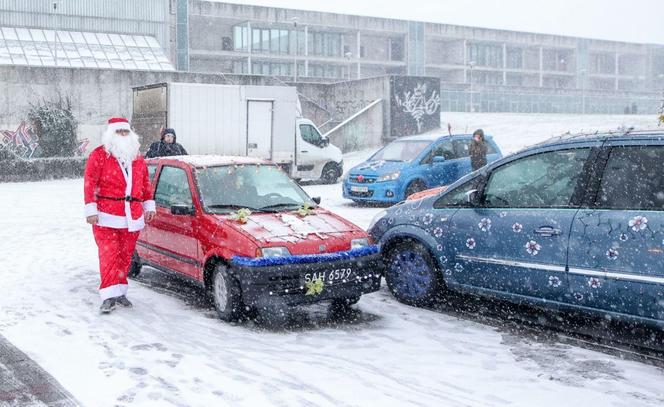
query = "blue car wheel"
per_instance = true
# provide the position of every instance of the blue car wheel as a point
(411, 273)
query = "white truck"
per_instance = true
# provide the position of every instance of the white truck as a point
(244, 120)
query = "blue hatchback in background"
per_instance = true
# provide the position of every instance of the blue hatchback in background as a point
(412, 164)
(573, 223)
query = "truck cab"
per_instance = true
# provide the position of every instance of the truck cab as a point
(316, 158)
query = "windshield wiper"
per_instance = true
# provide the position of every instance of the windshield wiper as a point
(279, 206)
(231, 206)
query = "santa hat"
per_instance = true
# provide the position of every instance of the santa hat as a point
(118, 123)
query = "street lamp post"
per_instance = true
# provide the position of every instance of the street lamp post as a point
(297, 46)
(471, 64)
(583, 91)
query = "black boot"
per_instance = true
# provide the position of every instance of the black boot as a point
(122, 300)
(107, 306)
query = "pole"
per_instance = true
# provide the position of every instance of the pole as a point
(472, 105)
(583, 91)
(297, 47)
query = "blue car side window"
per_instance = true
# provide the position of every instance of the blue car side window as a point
(545, 180)
(633, 179)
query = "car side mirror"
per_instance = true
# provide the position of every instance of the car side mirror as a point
(472, 197)
(324, 142)
(182, 210)
(316, 200)
(438, 159)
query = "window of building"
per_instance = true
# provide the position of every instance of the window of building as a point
(396, 49)
(486, 55)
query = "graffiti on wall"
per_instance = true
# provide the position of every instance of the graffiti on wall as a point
(415, 105)
(23, 143)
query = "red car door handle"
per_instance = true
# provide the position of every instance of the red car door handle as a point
(547, 231)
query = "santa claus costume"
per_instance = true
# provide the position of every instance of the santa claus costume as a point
(117, 191)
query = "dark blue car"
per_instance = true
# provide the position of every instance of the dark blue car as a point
(412, 164)
(573, 223)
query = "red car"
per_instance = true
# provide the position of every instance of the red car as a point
(250, 235)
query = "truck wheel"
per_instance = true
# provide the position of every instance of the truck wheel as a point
(330, 173)
(226, 295)
(135, 266)
(411, 273)
(413, 187)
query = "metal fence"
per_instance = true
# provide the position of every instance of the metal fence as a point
(519, 102)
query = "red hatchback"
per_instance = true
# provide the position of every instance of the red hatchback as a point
(251, 236)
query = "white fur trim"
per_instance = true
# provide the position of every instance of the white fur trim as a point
(113, 291)
(113, 127)
(149, 206)
(91, 209)
(112, 221)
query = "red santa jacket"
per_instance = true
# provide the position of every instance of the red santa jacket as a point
(107, 186)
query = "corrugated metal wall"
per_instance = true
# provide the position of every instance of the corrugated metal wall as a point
(148, 17)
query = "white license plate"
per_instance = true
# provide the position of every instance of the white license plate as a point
(340, 275)
(359, 189)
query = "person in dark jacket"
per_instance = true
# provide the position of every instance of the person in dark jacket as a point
(478, 150)
(167, 146)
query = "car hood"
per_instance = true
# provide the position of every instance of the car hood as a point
(378, 168)
(289, 227)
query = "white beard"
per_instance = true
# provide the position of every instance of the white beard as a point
(124, 148)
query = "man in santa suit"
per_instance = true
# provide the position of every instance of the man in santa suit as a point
(118, 202)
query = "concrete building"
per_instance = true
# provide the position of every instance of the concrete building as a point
(480, 69)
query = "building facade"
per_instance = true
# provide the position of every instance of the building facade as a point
(480, 69)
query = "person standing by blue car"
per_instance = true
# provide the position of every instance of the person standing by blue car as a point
(478, 150)
(412, 164)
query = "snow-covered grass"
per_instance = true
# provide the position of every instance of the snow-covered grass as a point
(170, 349)
(513, 131)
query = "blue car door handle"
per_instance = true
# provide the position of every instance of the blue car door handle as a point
(547, 231)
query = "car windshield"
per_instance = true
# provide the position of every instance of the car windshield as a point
(400, 151)
(262, 188)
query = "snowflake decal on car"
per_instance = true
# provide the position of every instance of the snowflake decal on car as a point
(554, 281)
(438, 232)
(443, 259)
(612, 254)
(623, 237)
(503, 214)
(439, 247)
(578, 296)
(594, 282)
(458, 267)
(638, 223)
(470, 243)
(533, 248)
(484, 225)
(448, 272)
(427, 219)
(517, 228)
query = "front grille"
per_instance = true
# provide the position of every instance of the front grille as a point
(367, 194)
(362, 180)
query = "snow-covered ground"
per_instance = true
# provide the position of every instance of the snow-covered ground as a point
(170, 349)
(514, 130)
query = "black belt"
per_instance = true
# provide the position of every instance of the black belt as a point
(125, 198)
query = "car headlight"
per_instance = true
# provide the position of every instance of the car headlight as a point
(357, 243)
(388, 177)
(274, 252)
(376, 218)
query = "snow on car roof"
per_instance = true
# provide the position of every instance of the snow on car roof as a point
(215, 160)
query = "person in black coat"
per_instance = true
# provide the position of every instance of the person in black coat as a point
(167, 146)
(478, 150)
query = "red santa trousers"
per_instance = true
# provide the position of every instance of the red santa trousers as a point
(116, 246)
